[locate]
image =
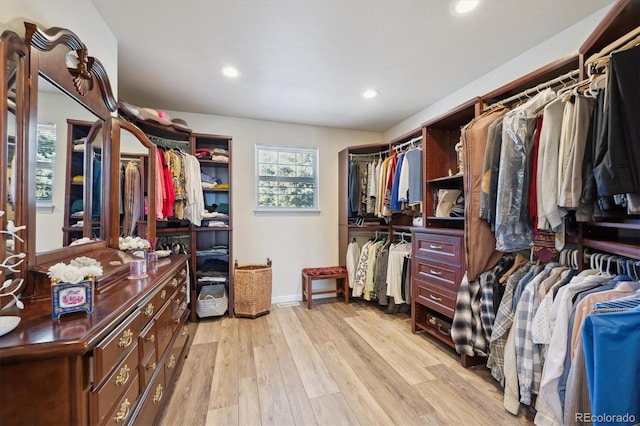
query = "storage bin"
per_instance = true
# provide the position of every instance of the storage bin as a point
(212, 301)
(252, 289)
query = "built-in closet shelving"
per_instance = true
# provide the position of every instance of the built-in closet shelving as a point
(215, 232)
(616, 233)
(182, 236)
(77, 132)
(438, 249)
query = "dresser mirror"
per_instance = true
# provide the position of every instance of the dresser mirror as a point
(70, 103)
(62, 172)
(13, 74)
(137, 164)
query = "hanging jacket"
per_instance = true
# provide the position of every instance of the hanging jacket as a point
(480, 244)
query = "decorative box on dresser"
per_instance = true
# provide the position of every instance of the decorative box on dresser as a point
(438, 247)
(115, 365)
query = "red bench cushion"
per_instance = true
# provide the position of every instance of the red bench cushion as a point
(327, 270)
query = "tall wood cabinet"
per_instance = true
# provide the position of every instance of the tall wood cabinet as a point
(438, 247)
(212, 250)
(77, 132)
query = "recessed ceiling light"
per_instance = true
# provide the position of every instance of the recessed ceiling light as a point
(370, 93)
(229, 71)
(466, 6)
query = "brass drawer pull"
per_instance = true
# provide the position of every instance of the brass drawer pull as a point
(176, 300)
(148, 311)
(157, 397)
(185, 331)
(433, 247)
(151, 366)
(183, 290)
(183, 306)
(123, 412)
(183, 272)
(437, 299)
(174, 282)
(177, 320)
(126, 339)
(163, 294)
(151, 338)
(123, 376)
(172, 361)
(432, 321)
(436, 273)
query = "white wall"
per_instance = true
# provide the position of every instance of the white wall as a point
(557, 47)
(292, 241)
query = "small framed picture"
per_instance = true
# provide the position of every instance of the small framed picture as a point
(67, 297)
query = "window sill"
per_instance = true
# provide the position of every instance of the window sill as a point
(285, 212)
(45, 208)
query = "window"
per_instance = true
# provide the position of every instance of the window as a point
(287, 178)
(46, 162)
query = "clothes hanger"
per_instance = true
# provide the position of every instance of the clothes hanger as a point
(607, 50)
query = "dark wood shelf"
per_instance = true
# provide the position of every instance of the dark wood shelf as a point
(210, 228)
(627, 250)
(447, 179)
(220, 163)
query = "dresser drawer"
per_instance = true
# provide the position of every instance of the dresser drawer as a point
(104, 398)
(164, 328)
(435, 297)
(179, 307)
(125, 406)
(148, 367)
(447, 248)
(154, 397)
(442, 274)
(147, 341)
(116, 345)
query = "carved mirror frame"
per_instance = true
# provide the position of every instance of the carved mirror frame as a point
(60, 57)
(13, 48)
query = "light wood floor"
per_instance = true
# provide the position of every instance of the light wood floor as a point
(336, 364)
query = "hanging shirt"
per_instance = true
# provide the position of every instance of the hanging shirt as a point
(353, 255)
(513, 227)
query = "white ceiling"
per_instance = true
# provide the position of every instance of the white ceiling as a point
(307, 61)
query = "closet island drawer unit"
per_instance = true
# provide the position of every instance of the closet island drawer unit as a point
(438, 267)
(116, 365)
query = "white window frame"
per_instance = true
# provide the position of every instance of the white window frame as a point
(46, 206)
(315, 179)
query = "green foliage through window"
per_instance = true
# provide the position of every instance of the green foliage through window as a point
(287, 178)
(45, 162)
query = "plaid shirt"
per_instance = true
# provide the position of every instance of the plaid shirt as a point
(466, 330)
(501, 326)
(528, 354)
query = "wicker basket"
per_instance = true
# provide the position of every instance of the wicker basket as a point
(252, 289)
(212, 301)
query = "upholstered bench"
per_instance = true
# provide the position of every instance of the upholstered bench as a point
(325, 273)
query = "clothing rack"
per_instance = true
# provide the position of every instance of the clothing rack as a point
(526, 93)
(168, 143)
(403, 235)
(407, 143)
(372, 155)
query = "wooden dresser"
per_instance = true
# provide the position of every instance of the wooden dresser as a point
(438, 267)
(116, 365)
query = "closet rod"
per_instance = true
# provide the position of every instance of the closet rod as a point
(409, 142)
(403, 234)
(525, 93)
(370, 155)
